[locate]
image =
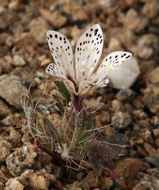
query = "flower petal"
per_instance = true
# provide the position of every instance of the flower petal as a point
(88, 51)
(110, 63)
(70, 86)
(61, 51)
(55, 70)
(84, 87)
(103, 83)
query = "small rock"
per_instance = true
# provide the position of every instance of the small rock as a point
(75, 34)
(27, 157)
(141, 151)
(5, 150)
(14, 184)
(9, 41)
(12, 90)
(90, 181)
(151, 150)
(5, 64)
(13, 5)
(76, 12)
(4, 109)
(14, 136)
(38, 180)
(147, 182)
(18, 61)
(22, 159)
(156, 132)
(152, 76)
(117, 106)
(137, 104)
(150, 9)
(2, 10)
(140, 114)
(107, 182)
(150, 98)
(125, 76)
(6, 20)
(121, 120)
(8, 121)
(45, 62)
(107, 5)
(132, 21)
(45, 13)
(114, 45)
(125, 95)
(128, 167)
(57, 20)
(39, 26)
(152, 160)
(157, 142)
(22, 40)
(149, 40)
(145, 52)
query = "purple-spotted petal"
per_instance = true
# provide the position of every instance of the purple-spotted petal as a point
(110, 63)
(88, 52)
(55, 70)
(61, 51)
(103, 83)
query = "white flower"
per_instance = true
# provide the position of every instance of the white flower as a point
(85, 73)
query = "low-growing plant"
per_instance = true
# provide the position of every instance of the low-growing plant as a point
(73, 140)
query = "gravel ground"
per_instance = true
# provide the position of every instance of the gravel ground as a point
(130, 25)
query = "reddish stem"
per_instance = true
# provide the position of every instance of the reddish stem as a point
(77, 103)
(110, 173)
(54, 155)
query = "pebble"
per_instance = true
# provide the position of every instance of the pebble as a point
(152, 76)
(38, 180)
(4, 109)
(132, 21)
(147, 182)
(2, 10)
(150, 9)
(13, 5)
(156, 132)
(18, 61)
(125, 95)
(150, 98)
(8, 120)
(22, 40)
(90, 181)
(151, 150)
(14, 184)
(5, 148)
(6, 20)
(45, 13)
(39, 26)
(6, 64)
(157, 141)
(45, 62)
(145, 52)
(27, 157)
(11, 90)
(76, 12)
(152, 160)
(129, 167)
(22, 159)
(121, 120)
(57, 20)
